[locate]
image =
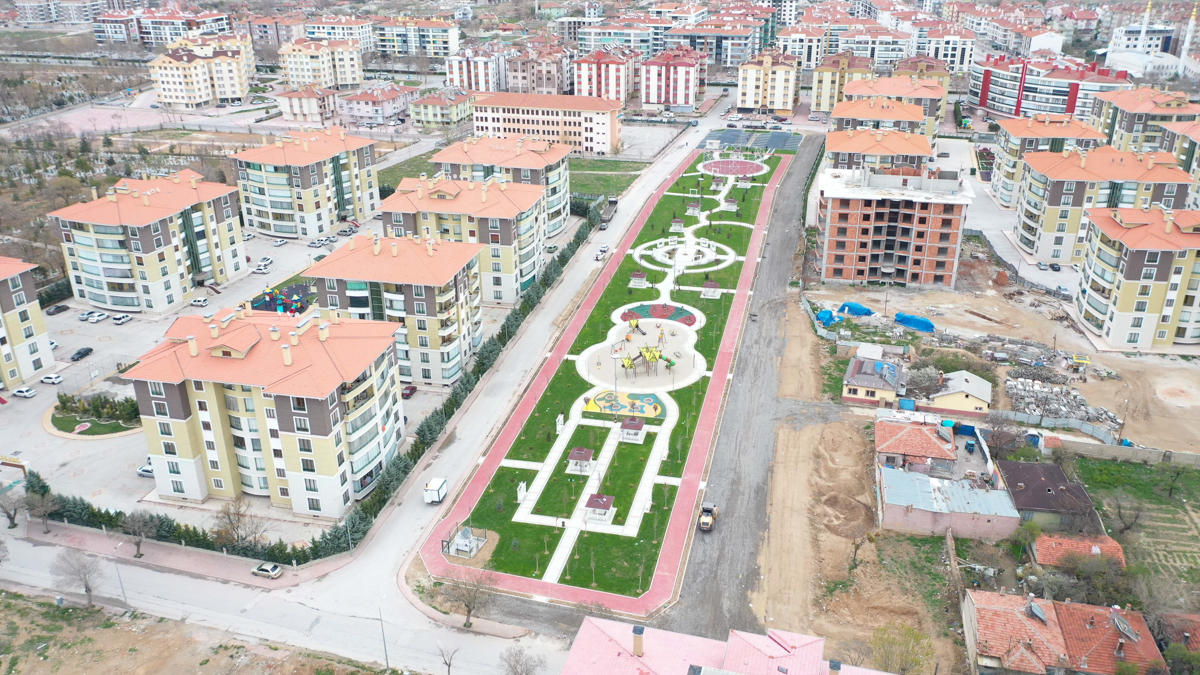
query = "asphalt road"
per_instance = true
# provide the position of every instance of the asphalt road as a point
(723, 566)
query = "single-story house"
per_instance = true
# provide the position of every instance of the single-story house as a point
(925, 448)
(1053, 549)
(1042, 493)
(873, 382)
(914, 503)
(961, 393)
(1184, 629)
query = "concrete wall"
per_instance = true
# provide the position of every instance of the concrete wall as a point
(969, 525)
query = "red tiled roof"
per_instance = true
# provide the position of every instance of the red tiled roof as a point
(1184, 629)
(912, 440)
(1053, 549)
(11, 267)
(1093, 634)
(1007, 630)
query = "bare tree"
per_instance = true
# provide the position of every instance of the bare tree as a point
(1172, 473)
(137, 527)
(447, 655)
(41, 506)
(10, 506)
(470, 588)
(235, 524)
(74, 569)
(516, 661)
(901, 649)
(1128, 511)
(1004, 436)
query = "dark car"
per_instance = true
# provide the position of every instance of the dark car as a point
(776, 126)
(57, 309)
(1055, 267)
(81, 353)
(407, 392)
(731, 126)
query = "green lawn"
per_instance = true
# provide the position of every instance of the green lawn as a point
(733, 236)
(538, 434)
(716, 315)
(561, 494)
(625, 473)
(617, 558)
(605, 165)
(409, 168)
(494, 511)
(658, 224)
(689, 399)
(412, 83)
(1103, 477)
(726, 276)
(615, 295)
(68, 423)
(613, 185)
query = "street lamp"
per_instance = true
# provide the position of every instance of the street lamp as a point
(118, 569)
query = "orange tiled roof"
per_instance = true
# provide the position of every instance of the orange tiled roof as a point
(400, 260)
(878, 142)
(317, 367)
(1148, 230)
(878, 108)
(11, 267)
(906, 87)
(305, 148)
(1050, 126)
(517, 152)
(1148, 100)
(547, 101)
(1093, 634)
(912, 440)
(1053, 549)
(1184, 629)
(1186, 129)
(1106, 163)
(486, 199)
(141, 202)
(1007, 630)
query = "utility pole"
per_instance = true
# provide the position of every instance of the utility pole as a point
(119, 580)
(383, 636)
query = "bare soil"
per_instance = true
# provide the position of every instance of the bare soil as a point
(40, 638)
(798, 379)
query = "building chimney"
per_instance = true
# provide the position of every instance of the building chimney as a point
(395, 249)
(483, 193)
(274, 333)
(1030, 125)
(193, 182)
(376, 246)
(213, 330)
(1187, 638)
(429, 247)
(95, 193)
(193, 348)
(293, 337)
(1082, 159)
(420, 190)
(1121, 647)
(133, 193)
(287, 354)
(279, 142)
(323, 331)
(941, 378)
(336, 317)
(238, 312)
(145, 200)
(175, 178)
(638, 647)
(352, 242)
(342, 133)
(305, 146)
(248, 309)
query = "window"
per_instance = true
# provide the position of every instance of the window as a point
(169, 448)
(177, 487)
(301, 425)
(1144, 290)
(214, 465)
(1152, 258)
(307, 465)
(280, 472)
(1148, 273)
(314, 504)
(218, 484)
(1136, 322)
(341, 458)
(497, 295)
(299, 405)
(1139, 306)
(304, 444)
(164, 429)
(310, 485)
(160, 409)
(283, 492)
(197, 385)
(495, 252)
(1162, 334)
(1133, 338)
(331, 284)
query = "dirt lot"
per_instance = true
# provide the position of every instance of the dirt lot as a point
(41, 638)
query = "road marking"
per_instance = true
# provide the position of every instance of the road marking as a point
(541, 598)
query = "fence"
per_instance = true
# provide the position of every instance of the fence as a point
(1099, 433)
(256, 129)
(1013, 277)
(96, 368)
(812, 175)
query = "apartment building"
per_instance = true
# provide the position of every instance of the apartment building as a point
(769, 83)
(24, 342)
(807, 43)
(200, 72)
(610, 73)
(1133, 119)
(953, 47)
(407, 37)
(878, 150)
(458, 210)
(927, 95)
(341, 29)
(884, 47)
(1141, 278)
(446, 110)
(329, 64)
(875, 227)
(1039, 133)
(481, 67)
(830, 78)
(1059, 186)
(273, 32)
(60, 11)
(302, 185)
(152, 27)
(726, 43)
(923, 67)
(515, 159)
(1181, 139)
(674, 79)
(379, 104)
(642, 32)
(586, 123)
(232, 406)
(567, 27)
(146, 244)
(1024, 87)
(309, 103)
(879, 113)
(541, 70)
(1129, 38)
(679, 13)
(430, 287)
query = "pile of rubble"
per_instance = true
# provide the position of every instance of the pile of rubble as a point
(1039, 373)
(1038, 398)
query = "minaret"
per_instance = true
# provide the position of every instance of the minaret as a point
(1145, 24)
(1187, 41)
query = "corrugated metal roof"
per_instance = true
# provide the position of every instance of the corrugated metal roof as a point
(937, 495)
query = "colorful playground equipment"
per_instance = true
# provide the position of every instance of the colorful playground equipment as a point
(647, 357)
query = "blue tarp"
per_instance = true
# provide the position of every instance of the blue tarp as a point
(826, 318)
(855, 309)
(914, 322)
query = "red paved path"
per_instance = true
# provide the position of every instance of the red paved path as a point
(670, 559)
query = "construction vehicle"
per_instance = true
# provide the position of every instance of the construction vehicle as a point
(708, 516)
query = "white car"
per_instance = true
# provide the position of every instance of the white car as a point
(316, 243)
(247, 235)
(604, 248)
(51, 379)
(25, 392)
(265, 260)
(122, 318)
(200, 302)
(261, 269)
(53, 345)
(97, 317)
(279, 242)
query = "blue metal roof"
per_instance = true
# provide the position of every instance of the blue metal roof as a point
(937, 495)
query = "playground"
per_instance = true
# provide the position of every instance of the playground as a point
(288, 298)
(601, 502)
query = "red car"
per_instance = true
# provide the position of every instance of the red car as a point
(407, 392)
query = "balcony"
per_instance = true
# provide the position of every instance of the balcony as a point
(447, 327)
(348, 388)
(358, 401)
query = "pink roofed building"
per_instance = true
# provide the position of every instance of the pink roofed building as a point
(616, 648)
(610, 73)
(378, 105)
(674, 79)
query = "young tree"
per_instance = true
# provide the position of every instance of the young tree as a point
(1171, 473)
(516, 661)
(1128, 511)
(41, 506)
(10, 506)
(137, 527)
(447, 655)
(901, 649)
(470, 588)
(75, 569)
(235, 524)
(1004, 436)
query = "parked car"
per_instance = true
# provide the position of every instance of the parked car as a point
(731, 126)
(81, 353)
(25, 392)
(56, 309)
(265, 260)
(268, 570)
(943, 154)
(154, 105)
(247, 236)
(1043, 266)
(222, 105)
(1065, 290)
(1075, 267)
(261, 269)
(53, 345)
(52, 379)
(407, 391)
(347, 231)
(200, 302)
(599, 256)
(604, 248)
(775, 126)
(319, 258)
(316, 243)
(236, 104)
(145, 471)
(551, 249)
(331, 239)
(1055, 267)
(86, 315)
(279, 242)
(97, 317)
(122, 318)
(814, 118)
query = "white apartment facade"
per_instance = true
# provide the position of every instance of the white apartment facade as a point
(588, 124)
(432, 38)
(157, 27)
(804, 42)
(340, 28)
(329, 64)
(480, 67)
(310, 104)
(196, 73)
